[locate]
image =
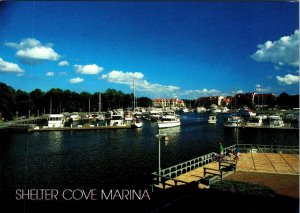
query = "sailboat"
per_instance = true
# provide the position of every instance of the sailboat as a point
(137, 123)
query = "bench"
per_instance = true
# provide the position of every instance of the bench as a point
(227, 166)
(164, 179)
(214, 176)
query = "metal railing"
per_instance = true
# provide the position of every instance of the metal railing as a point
(181, 168)
(173, 171)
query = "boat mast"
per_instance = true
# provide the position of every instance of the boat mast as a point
(99, 107)
(59, 107)
(50, 110)
(133, 95)
(234, 97)
(262, 100)
(89, 106)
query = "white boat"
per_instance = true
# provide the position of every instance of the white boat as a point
(56, 120)
(137, 123)
(212, 119)
(246, 112)
(224, 109)
(169, 120)
(200, 109)
(256, 121)
(233, 121)
(155, 114)
(184, 110)
(275, 121)
(116, 118)
(75, 117)
(214, 109)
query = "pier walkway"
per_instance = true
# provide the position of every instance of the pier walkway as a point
(262, 162)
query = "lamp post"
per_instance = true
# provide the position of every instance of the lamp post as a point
(159, 168)
(237, 133)
(159, 155)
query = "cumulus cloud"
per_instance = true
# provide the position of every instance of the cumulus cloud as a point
(90, 69)
(261, 88)
(50, 74)
(199, 93)
(126, 78)
(288, 79)
(9, 67)
(156, 88)
(121, 77)
(31, 51)
(63, 63)
(76, 80)
(284, 51)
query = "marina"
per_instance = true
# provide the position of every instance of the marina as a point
(149, 106)
(114, 149)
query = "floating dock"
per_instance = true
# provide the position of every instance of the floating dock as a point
(32, 128)
(263, 127)
(78, 128)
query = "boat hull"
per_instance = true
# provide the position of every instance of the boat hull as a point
(168, 124)
(137, 125)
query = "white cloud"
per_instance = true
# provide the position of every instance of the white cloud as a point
(288, 79)
(260, 88)
(50, 74)
(91, 69)
(126, 78)
(203, 92)
(76, 80)
(284, 51)
(121, 77)
(9, 67)
(63, 63)
(32, 51)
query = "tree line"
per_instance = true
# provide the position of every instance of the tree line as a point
(17, 102)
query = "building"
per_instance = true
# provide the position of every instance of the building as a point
(167, 102)
(207, 101)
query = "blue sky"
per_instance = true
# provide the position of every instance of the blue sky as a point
(171, 49)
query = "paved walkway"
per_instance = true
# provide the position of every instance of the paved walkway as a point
(269, 163)
(275, 163)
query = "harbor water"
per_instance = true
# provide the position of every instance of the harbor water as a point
(117, 158)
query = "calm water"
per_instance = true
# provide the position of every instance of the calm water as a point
(116, 157)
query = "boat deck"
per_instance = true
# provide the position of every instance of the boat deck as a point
(275, 163)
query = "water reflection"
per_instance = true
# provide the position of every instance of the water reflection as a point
(170, 134)
(94, 158)
(55, 139)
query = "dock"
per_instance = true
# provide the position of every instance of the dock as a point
(263, 128)
(283, 161)
(33, 128)
(84, 128)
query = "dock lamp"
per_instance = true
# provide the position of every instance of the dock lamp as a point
(159, 136)
(237, 133)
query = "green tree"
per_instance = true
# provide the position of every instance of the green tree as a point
(7, 103)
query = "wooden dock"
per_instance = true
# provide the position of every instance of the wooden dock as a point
(275, 163)
(83, 128)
